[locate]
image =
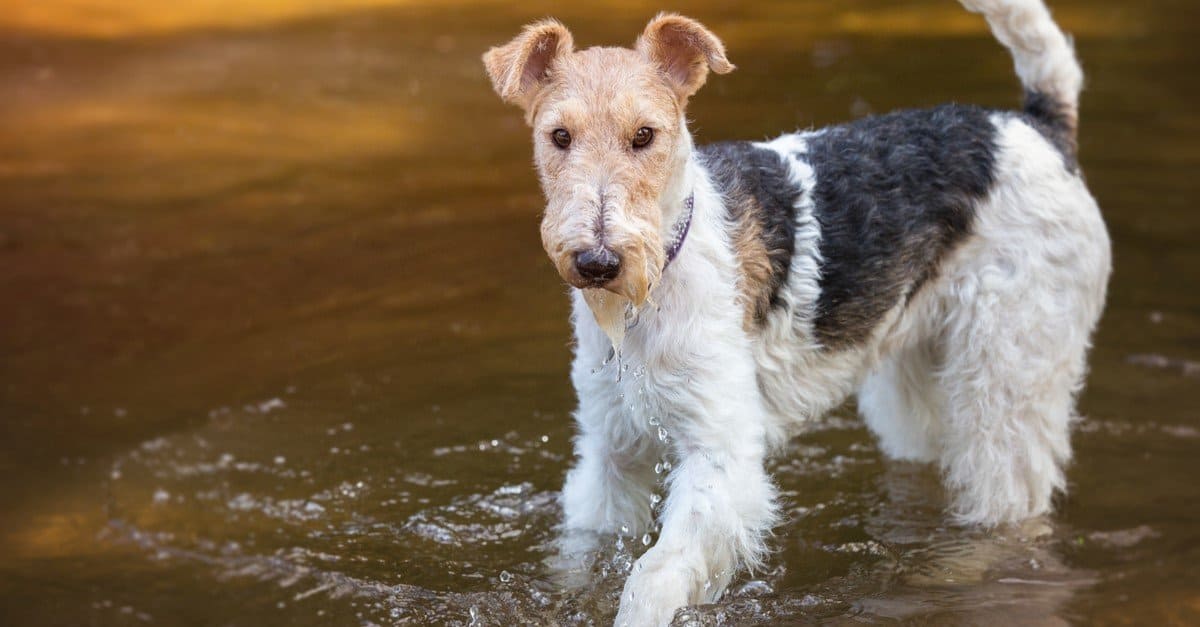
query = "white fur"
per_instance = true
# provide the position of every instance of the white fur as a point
(699, 383)
(977, 373)
(1044, 58)
(1020, 300)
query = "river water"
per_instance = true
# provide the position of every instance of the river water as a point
(279, 345)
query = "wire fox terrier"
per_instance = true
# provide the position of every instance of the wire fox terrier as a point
(946, 265)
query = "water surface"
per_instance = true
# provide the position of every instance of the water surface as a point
(280, 345)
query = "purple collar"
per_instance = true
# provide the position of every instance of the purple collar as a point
(680, 231)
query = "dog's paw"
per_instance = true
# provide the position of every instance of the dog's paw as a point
(570, 567)
(661, 583)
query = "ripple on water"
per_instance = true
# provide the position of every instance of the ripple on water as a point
(506, 514)
(394, 543)
(443, 539)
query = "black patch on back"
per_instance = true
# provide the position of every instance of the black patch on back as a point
(894, 194)
(740, 170)
(1049, 117)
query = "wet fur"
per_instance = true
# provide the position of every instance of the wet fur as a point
(895, 194)
(947, 266)
(761, 209)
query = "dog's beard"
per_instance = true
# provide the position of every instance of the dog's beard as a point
(616, 309)
(609, 311)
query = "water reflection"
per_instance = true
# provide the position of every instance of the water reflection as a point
(277, 327)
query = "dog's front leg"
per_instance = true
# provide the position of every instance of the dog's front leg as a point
(719, 507)
(608, 488)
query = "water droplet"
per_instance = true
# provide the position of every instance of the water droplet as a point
(655, 500)
(654, 421)
(545, 438)
(658, 468)
(646, 539)
(662, 434)
(280, 460)
(667, 466)
(708, 584)
(505, 576)
(624, 529)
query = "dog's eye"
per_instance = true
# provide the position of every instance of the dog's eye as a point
(561, 137)
(643, 137)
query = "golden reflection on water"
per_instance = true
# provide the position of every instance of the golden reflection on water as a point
(126, 18)
(204, 203)
(123, 18)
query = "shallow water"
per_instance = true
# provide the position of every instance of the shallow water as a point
(280, 345)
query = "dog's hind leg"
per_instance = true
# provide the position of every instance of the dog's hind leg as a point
(1015, 342)
(900, 401)
(1009, 375)
(1020, 299)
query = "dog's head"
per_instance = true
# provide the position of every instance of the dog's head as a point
(609, 140)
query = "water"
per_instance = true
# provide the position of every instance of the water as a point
(280, 345)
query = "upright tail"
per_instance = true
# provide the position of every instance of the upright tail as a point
(1045, 63)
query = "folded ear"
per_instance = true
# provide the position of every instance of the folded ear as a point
(518, 68)
(684, 50)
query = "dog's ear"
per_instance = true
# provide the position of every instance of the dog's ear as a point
(684, 50)
(518, 68)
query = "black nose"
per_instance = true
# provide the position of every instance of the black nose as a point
(598, 264)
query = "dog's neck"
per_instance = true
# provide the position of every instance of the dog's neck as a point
(705, 249)
(680, 185)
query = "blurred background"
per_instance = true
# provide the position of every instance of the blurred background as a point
(279, 344)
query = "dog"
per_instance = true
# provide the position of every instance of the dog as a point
(946, 265)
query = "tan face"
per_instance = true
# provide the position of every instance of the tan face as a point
(609, 140)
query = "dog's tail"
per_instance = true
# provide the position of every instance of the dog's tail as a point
(1045, 62)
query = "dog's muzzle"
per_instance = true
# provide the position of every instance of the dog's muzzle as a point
(598, 265)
